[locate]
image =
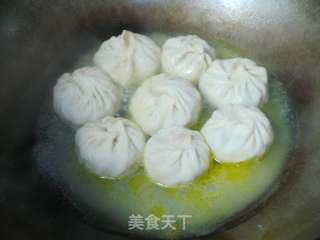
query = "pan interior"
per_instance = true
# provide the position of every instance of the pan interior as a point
(224, 192)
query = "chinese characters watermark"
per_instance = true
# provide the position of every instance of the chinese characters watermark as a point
(152, 222)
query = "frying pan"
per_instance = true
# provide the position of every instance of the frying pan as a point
(42, 39)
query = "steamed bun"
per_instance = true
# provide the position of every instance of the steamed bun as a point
(85, 95)
(165, 101)
(176, 156)
(186, 57)
(110, 146)
(234, 81)
(237, 133)
(129, 58)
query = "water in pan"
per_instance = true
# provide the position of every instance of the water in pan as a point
(223, 191)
